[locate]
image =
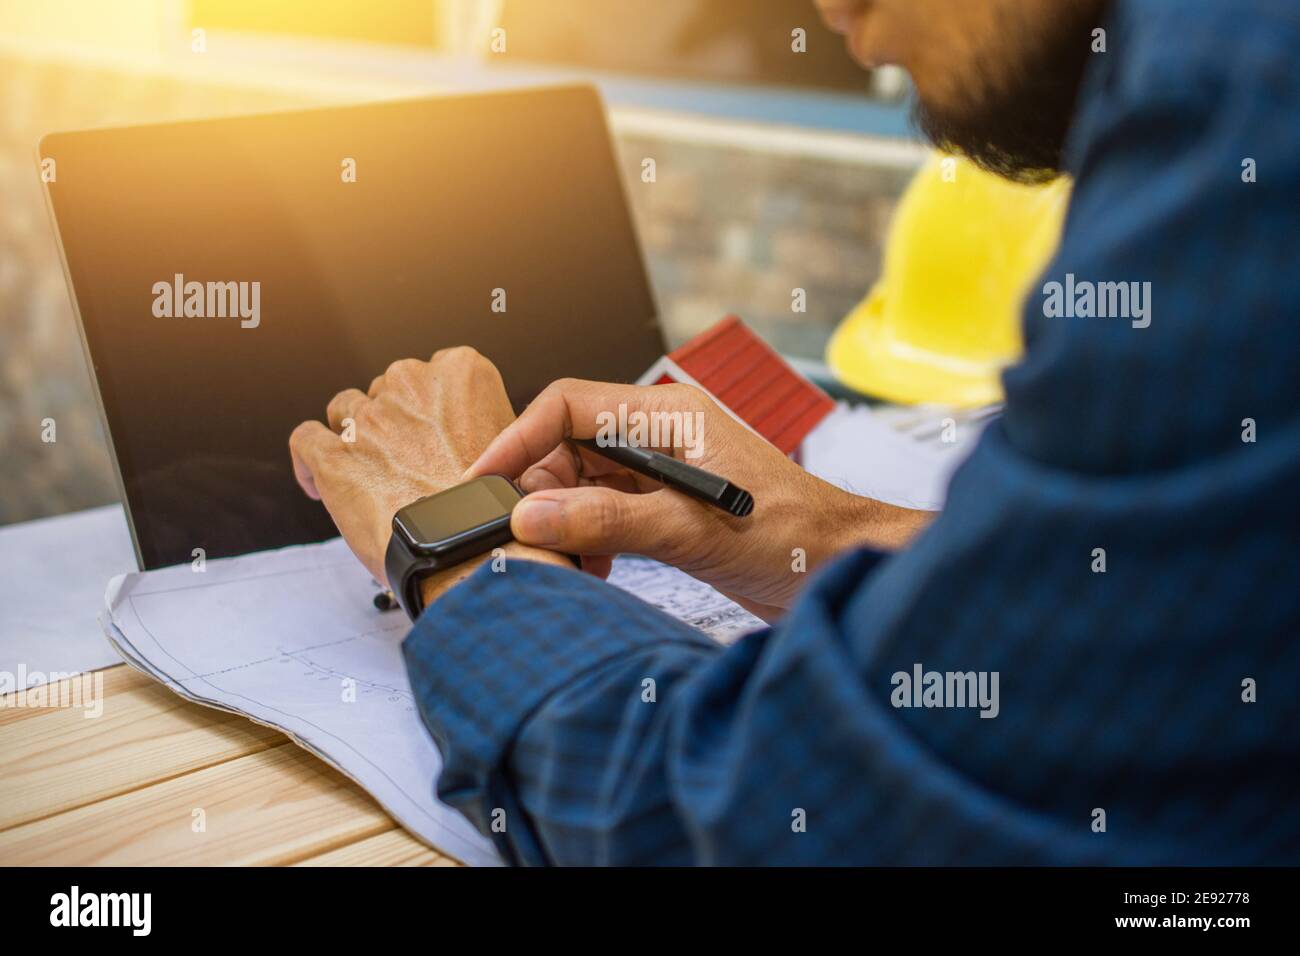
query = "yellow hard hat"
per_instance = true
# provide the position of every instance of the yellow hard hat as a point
(944, 319)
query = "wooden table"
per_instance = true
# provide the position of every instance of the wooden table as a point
(122, 788)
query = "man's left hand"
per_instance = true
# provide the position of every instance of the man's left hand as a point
(414, 433)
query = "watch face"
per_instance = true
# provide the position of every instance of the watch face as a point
(457, 511)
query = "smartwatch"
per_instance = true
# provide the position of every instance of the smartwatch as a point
(447, 529)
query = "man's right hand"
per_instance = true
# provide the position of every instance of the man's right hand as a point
(581, 503)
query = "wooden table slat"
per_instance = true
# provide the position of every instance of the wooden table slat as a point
(122, 787)
(394, 848)
(277, 806)
(55, 760)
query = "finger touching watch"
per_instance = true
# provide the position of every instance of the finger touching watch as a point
(447, 529)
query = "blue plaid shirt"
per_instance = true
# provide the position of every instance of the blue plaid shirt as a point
(1126, 730)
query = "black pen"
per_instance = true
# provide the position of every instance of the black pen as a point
(688, 479)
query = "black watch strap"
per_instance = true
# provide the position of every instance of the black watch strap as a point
(405, 569)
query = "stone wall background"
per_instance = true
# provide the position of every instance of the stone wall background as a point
(724, 229)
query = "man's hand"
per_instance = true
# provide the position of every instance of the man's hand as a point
(580, 503)
(414, 433)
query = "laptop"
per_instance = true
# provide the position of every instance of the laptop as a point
(229, 276)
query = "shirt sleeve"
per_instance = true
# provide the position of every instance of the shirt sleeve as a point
(578, 718)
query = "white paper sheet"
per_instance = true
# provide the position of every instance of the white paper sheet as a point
(863, 450)
(291, 639)
(52, 575)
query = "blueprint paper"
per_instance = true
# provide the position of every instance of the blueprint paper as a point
(291, 639)
(280, 636)
(680, 595)
(52, 574)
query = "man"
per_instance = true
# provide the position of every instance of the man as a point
(1115, 571)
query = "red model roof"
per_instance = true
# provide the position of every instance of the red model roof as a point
(746, 374)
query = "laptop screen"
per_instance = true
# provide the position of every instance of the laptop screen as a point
(231, 275)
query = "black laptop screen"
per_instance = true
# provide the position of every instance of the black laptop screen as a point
(232, 275)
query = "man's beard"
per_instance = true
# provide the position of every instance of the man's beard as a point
(1017, 126)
